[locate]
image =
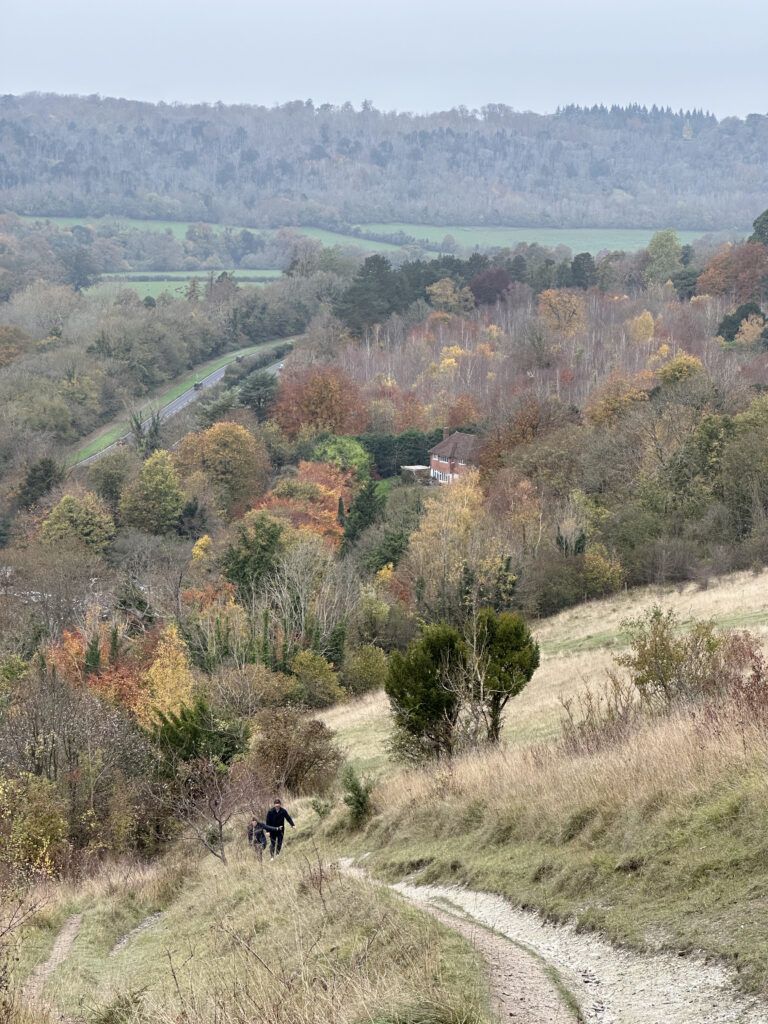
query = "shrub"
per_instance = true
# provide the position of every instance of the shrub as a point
(81, 520)
(665, 664)
(420, 686)
(357, 796)
(346, 453)
(244, 690)
(316, 684)
(295, 752)
(195, 733)
(364, 669)
(33, 829)
(603, 573)
(724, 672)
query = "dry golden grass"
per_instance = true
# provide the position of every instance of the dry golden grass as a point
(738, 600)
(577, 647)
(536, 713)
(292, 942)
(578, 644)
(363, 728)
(660, 840)
(678, 757)
(373, 706)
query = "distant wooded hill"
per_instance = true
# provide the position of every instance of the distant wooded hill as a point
(337, 166)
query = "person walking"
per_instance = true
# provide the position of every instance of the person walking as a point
(256, 837)
(276, 819)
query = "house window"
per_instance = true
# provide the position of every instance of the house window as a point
(443, 459)
(462, 462)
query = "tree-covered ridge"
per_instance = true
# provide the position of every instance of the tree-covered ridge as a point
(335, 166)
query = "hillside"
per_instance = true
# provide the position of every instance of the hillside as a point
(655, 843)
(185, 938)
(336, 166)
(577, 647)
(654, 838)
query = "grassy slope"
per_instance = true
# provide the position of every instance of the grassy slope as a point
(165, 397)
(660, 842)
(576, 648)
(245, 936)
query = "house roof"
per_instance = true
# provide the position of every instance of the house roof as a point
(457, 446)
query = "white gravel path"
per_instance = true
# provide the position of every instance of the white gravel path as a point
(613, 986)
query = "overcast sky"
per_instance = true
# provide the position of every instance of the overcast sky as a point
(416, 55)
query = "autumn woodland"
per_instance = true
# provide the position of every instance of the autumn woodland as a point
(182, 617)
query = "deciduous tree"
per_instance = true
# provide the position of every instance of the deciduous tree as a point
(563, 311)
(664, 257)
(155, 500)
(82, 519)
(235, 463)
(169, 679)
(322, 399)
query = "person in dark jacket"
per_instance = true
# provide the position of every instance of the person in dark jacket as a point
(256, 837)
(276, 819)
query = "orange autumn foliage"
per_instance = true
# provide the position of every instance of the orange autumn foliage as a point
(121, 683)
(217, 593)
(737, 270)
(320, 398)
(67, 656)
(462, 412)
(529, 420)
(310, 500)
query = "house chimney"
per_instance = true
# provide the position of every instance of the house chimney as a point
(445, 433)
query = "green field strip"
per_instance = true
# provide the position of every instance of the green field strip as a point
(577, 239)
(142, 276)
(179, 230)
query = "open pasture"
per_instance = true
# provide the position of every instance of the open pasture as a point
(577, 239)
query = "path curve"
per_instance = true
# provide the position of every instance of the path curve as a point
(33, 987)
(521, 989)
(141, 927)
(612, 986)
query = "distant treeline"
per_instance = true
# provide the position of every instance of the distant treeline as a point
(336, 166)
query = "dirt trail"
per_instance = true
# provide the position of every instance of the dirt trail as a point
(33, 988)
(142, 926)
(613, 986)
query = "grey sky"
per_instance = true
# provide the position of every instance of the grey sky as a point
(416, 55)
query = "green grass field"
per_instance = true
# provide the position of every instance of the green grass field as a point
(185, 275)
(330, 238)
(577, 239)
(179, 229)
(112, 284)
